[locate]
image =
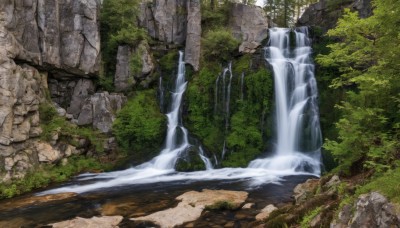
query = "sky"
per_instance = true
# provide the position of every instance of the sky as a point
(259, 2)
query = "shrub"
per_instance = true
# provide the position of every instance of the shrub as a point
(139, 126)
(49, 174)
(219, 44)
(50, 123)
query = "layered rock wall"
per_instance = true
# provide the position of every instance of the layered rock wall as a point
(250, 25)
(48, 48)
(325, 13)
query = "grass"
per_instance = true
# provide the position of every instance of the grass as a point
(47, 174)
(51, 123)
(305, 223)
(387, 184)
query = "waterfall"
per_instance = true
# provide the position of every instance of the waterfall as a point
(228, 97)
(242, 86)
(297, 118)
(161, 93)
(176, 140)
(225, 93)
(298, 131)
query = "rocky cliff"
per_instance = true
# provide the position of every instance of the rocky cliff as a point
(324, 14)
(48, 50)
(177, 23)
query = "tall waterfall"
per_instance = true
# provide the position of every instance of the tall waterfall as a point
(298, 131)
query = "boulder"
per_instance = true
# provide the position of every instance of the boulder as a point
(250, 25)
(100, 109)
(191, 206)
(304, 190)
(94, 222)
(370, 210)
(265, 212)
(83, 90)
(47, 153)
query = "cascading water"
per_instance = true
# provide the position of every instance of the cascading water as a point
(296, 103)
(174, 145)
(298, 132)
(242, 86)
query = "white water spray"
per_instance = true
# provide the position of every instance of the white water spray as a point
(298, 131)
(296, 98)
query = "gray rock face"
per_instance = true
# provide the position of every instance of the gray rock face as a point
(323, 14)
(100, 109)
(363, 7)
(83, 89)
(193, 37)
(61, 34)
(250, 25)
(371, 210)
(60, 37)
(124, 78)
(165, 20)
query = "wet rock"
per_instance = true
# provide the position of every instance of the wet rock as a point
(35, 200)
(304, 190)
(191, 206)
(265, 212)
(94, 222)
(248, 206)
(250, 25)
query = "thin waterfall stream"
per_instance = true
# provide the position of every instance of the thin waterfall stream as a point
(298, 137)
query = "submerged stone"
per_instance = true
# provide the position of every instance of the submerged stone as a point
(192, 205)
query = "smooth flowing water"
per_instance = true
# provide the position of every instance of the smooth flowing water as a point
(298, 133)
(297, 118)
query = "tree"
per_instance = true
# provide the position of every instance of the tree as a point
(366, 54)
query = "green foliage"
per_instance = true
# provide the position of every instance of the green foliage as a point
(51, 123)
(191, 162)
(168, 61)
(48, 174)
(286, 12)
(219, 44)
(118, 27)
(139, 126)
(387, 184)
(247, 128)
(214, 15)
(305, 223)
(200, 118)
(366, 56)
(222, 205)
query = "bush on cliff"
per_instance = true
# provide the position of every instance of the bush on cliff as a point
(219, 44)
(139, 126)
